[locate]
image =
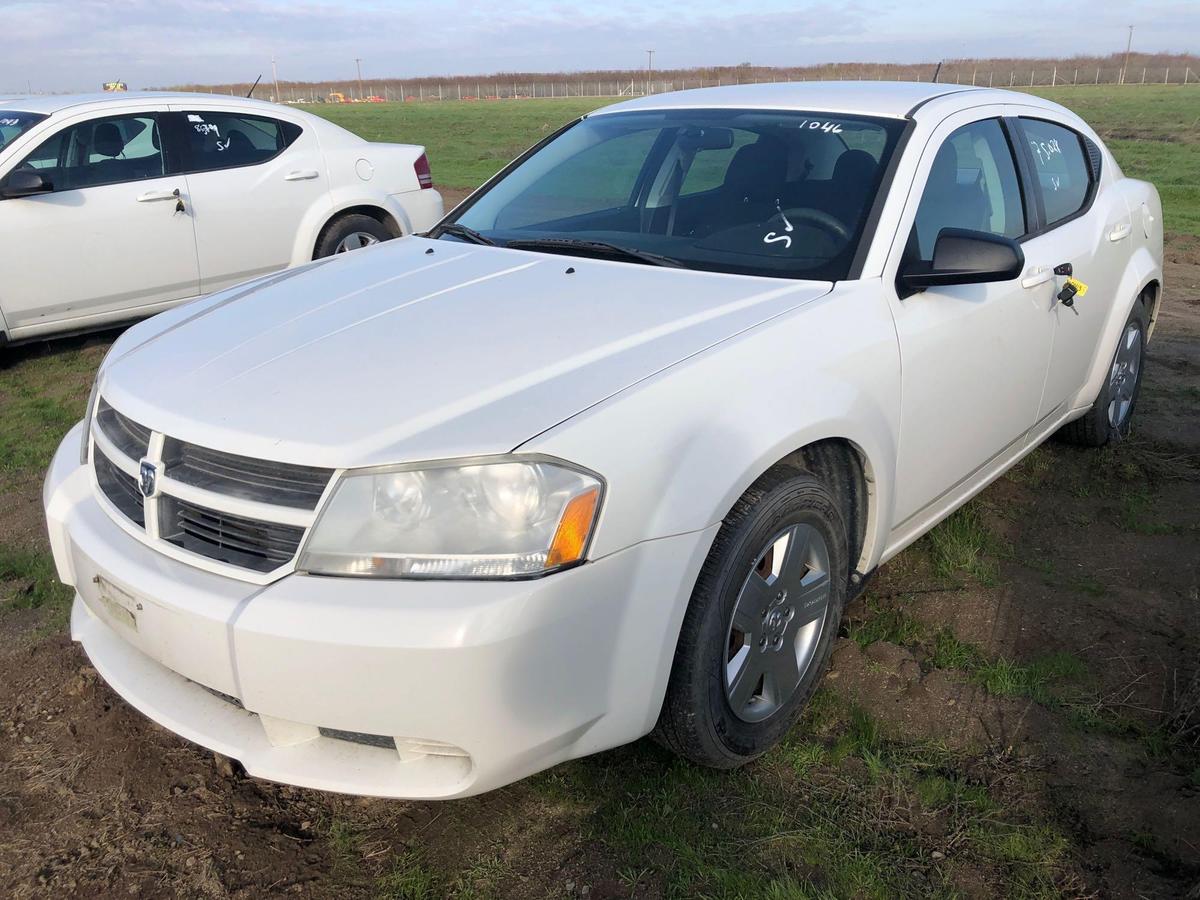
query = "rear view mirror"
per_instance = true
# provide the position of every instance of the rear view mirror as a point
(697, 139)
(25, 183)
(962, 256)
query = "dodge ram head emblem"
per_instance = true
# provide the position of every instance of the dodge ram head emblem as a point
(149, 479)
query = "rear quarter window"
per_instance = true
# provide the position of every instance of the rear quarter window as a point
(1063, 175)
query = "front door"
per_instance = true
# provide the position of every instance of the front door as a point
(973, 356)
(109, 239)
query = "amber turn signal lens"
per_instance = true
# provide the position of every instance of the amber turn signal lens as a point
(573, 529)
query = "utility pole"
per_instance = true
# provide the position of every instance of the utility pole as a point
(358, 62)
(649, 68)
(1128, 45)
(275, 78)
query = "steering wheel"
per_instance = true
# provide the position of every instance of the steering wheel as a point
(820, 218)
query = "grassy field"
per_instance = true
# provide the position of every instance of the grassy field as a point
(1007, 713)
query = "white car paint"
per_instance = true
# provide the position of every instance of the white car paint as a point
(132, 253)
(678, 387)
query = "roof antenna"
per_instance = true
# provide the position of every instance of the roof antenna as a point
(253, 86)
(937, 72)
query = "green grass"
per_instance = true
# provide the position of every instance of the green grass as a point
(34, 578)
(964, 545)
(840, 810)
(467, 142)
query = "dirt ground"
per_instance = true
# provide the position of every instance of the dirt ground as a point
(1097, 560)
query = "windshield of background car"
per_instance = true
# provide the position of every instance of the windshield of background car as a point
(13, 124)
(755, 192)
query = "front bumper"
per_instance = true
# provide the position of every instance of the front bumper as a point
(386, 688)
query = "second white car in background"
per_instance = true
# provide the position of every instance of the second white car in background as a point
(113, 208)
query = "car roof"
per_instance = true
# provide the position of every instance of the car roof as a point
(895, 99)
(53, 103)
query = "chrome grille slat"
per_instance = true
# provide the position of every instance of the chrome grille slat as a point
(129, 437)
(234, 510)
(249, 543)
(283, 484)
(121, 490)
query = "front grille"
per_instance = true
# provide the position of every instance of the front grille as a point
(129, 437)
(247, 513)
(299, 487)
(248, 543)
(121, 490)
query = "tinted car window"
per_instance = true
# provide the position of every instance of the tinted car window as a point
(100, 151)
(14, 123)
(972, 184)
(1062, 173)
(221, 140)
(759, 192)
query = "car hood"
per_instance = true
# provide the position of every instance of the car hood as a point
(420, 349)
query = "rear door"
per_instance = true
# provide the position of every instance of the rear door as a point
(111, 238)
(251, 178)
(1083, 222)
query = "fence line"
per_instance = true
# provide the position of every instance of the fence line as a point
(392, 91)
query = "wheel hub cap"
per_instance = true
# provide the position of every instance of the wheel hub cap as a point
(1123, 377)
(355, 241)
(778, 620)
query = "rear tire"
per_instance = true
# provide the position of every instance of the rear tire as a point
(1110, 417)
(350, 233)
(761, 623)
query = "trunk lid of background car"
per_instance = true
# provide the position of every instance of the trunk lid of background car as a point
(422, 349)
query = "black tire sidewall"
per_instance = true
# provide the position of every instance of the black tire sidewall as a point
(337, 230)
(1116, 433)
(801, 499)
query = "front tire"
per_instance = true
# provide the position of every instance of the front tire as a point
(761, 623)
(351, 232)
(1111, 415)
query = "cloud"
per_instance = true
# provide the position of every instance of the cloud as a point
(76, 44)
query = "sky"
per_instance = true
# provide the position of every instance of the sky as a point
(62, 45)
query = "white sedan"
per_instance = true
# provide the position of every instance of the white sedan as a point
(116, 207)
(605, 453)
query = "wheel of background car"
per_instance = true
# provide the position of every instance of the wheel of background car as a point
(761, 623)
(1110, 417)
(820, 218)
(350, 232)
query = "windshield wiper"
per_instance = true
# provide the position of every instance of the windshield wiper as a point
(467, 234)
(601, 248)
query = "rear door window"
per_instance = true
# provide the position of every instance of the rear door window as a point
(1062, 174)
(224, 140)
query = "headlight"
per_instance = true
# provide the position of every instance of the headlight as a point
(498, 517)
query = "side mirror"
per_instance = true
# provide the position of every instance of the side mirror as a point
(962, 256)
(25, 183)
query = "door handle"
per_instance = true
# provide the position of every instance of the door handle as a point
(1120, 232)
(155, 196)
(302, 175)
(1037, 275)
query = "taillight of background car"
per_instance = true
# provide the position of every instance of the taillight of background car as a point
(424, 176)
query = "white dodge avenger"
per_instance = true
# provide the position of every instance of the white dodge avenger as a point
(605, 452)
(116, 206)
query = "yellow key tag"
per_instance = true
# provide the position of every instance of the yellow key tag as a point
(1080, 287)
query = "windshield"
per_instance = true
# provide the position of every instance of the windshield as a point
(13, 124)
(756, 192)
